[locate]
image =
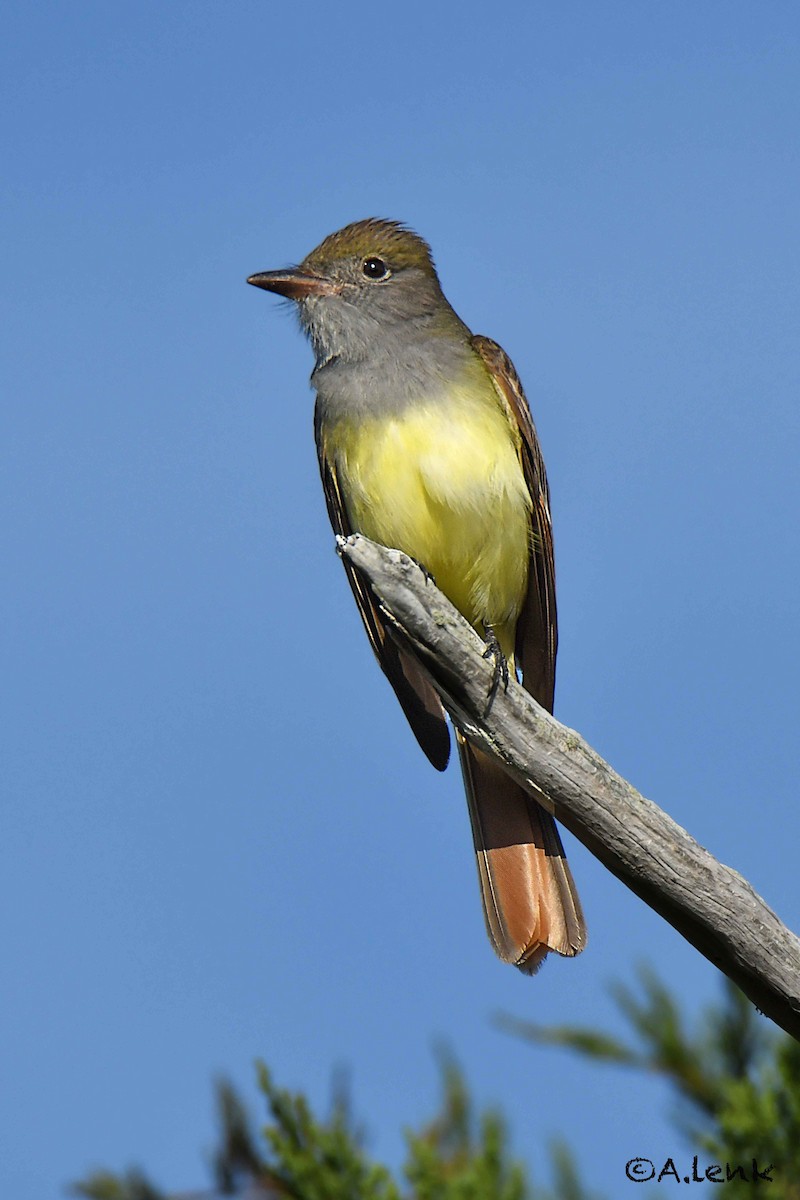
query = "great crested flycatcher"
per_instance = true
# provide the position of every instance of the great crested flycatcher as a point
(426, 444)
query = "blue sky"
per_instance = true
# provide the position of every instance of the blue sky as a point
(219, 840)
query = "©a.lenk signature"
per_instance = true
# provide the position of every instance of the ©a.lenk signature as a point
(642, 1170)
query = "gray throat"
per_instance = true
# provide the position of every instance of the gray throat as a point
(395, 375)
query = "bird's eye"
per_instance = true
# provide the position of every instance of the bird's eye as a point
(375, 268)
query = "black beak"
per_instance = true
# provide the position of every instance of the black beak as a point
(294, 282)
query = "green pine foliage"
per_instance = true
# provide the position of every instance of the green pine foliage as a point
(312, 1159)
(735, 1079)
(132, 1185)
(736, 1083)
(459, 1155)
(456, 1157)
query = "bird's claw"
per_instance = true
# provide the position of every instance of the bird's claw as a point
(500, 663)
(427, 575)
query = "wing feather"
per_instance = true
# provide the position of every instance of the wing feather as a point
(537, 627)
(529, 897)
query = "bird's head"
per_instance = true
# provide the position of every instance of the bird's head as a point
(363, 285)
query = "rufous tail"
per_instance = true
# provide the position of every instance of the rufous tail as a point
(529, 898)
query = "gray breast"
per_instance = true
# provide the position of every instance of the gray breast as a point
(396, 376)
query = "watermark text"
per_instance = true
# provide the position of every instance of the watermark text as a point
(643, 1170)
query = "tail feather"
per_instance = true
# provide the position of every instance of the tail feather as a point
(529, 898)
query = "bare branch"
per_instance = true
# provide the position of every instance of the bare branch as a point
(713, 906)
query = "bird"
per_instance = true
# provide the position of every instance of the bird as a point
(426, 444)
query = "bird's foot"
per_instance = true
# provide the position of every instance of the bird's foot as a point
(427, 575)
(500, 664)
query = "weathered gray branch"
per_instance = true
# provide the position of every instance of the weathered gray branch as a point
(713, 906)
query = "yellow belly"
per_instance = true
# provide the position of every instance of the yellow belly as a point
(445, 485)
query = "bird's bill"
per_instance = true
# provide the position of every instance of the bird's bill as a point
(294, 282)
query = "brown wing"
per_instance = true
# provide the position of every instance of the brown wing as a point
(537, 630)
(529, 897)
(418, 699)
